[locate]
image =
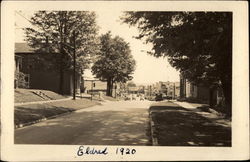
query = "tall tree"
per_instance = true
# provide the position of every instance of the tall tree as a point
(114, 62)
(199, 44)
(54, 32)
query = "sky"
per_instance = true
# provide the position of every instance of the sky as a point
(148, 68)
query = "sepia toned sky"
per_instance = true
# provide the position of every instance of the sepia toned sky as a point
(148, 68)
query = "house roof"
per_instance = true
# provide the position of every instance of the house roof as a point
(23, 48)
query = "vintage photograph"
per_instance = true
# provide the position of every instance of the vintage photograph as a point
(146, 78)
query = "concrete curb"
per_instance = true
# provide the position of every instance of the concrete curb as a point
(50, 117)
(43, 119)
(152, 129)
(41, 102)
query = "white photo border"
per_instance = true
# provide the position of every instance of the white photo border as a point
(240, 102)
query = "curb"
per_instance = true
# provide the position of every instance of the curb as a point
(152, 126)
(50, 117)
(43, 119)
(42, 102)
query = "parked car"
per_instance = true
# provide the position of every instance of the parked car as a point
(158, 97)
(127, 98)
(169, 97)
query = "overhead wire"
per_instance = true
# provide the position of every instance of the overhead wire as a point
(23, 16)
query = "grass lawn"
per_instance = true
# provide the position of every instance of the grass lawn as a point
(32, 112)
(177, 126)
(27, 95)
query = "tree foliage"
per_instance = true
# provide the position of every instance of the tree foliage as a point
(199, 44)
(114, 62)
(53, 32)
(131, 84)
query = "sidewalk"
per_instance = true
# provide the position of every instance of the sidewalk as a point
(183, 124)
(41, 102)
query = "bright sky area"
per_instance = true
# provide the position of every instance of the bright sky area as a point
(148, 68)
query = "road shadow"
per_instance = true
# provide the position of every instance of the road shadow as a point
(177, 126)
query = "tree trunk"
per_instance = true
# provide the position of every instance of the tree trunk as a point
(61, 70)
(61, 80)
(61, 73)
(111, 87)
(107, 91)
(212, 101)
(108, 87)
(210, 97)
(227, 92)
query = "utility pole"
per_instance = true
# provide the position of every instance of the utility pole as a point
(150, 90)
(74, 68)
(92, 85)
(115, 89)
(174, 90)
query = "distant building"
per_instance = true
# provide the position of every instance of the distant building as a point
(170, 89)
(133, 90)
(38, 70)
(95, 85)
(141, 89)
(176, 89)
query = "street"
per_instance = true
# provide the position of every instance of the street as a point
(112, 123)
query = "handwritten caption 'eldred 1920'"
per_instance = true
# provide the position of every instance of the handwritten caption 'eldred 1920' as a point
(104, 151)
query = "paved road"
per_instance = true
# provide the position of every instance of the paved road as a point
(113, 123)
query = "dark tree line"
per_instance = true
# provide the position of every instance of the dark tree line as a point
(56, 32)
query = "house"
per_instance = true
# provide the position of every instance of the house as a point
(21, 80)
(94, 85)
(200, 93)
(176, 89)
(38, 69)
(151, 90)
(190, 90)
